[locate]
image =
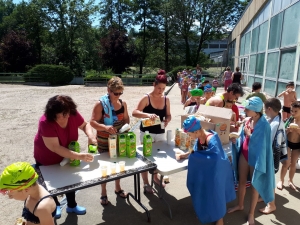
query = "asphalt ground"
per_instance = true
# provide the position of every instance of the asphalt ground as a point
(121, 212)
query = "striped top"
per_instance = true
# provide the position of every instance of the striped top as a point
(102, 136)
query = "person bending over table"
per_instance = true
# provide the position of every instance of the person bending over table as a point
(18, 181)
(234, 91)
(210, 178)
(154, 105)
(57, 128)
(252, 154)
(109, 115)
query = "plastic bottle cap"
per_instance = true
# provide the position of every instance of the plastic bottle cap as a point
(146, 132)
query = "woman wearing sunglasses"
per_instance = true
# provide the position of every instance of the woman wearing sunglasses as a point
(153, 105)
(109, 115)
(18, 181)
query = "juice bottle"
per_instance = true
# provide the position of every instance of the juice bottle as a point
(122, 145)
(177, 137)
(131, 145)
(147, 144)
(74, 146)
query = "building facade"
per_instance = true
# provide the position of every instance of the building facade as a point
(265, 44)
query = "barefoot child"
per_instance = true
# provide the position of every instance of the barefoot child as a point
(293, 136)
(252, 153)
(278, 137)
(18, 181)
(184, 90)
(211, 185)
(208, 92)
(289, 96)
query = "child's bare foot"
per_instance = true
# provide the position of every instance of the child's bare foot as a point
(236, 208)
(260, 199)
(268, 209)
(251, 220)
(279, 185)
(292, 186)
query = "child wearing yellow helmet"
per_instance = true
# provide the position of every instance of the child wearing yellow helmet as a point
(18, 181)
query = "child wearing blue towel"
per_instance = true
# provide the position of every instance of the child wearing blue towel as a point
(252, 153)
(210, 178)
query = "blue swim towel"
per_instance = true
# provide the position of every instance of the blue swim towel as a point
(210, 181)
(109, 113)
(260, 157)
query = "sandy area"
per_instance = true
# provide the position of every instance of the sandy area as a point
(20, 109)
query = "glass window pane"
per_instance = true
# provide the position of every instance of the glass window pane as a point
(276, 6)
(281, 87)
(298, 76)
(254, 40)
(263, 30)
(267, 11)
(275, 31)
(260, 61)
(250, 81)
(258, 79)
(291, 25)
(272, 65)
(252, 64)
(298, 90)
(242, 45)
(287, 64)
(247, 43)
(284, 4)
(269, 87)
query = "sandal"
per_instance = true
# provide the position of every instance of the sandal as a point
(121, 193)
(103, 200)
(148, 189)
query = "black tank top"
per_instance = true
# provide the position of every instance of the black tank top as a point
(160, 112)
(237, 77)
(30, 216)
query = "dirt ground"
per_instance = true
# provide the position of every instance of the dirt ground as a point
(21, 106)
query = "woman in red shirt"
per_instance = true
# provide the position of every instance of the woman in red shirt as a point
(57, 128)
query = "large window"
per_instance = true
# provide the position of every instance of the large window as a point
(250, 81)
(290, 29)
(247, 43)
(242, 45)
(287, 64)
(269, 87)
(260, 62)
(254, 40)
(298, 76)
(252, 64)
(272, 64)
(263, 31)
(276, 6)
(281, 87)
(275, 31)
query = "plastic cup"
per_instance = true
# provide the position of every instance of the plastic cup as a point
(122, 166)
(104, 171)
(112, 168)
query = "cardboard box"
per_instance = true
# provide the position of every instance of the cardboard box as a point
(220, 120)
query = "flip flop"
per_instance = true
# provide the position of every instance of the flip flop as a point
(292, 186)
(121, 193)
(103, 200)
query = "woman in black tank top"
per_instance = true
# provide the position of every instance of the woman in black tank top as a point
(237, 76)
(154, 105)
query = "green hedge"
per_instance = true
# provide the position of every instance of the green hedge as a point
(54, 74)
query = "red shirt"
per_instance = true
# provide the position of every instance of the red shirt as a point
(51, 129)
(236, 110)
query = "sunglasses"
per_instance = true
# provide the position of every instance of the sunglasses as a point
(6, 192)
(117, 94)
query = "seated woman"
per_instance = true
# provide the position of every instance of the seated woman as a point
(194, 99)
(109, 115)
(210, 178)
(19, 181)
(252, 153)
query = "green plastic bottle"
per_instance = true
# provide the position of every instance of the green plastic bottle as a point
(147, 144)
(122, 145)
(131, 145)
(92, 149)
(74, 146)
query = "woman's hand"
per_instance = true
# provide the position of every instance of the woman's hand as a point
(152, 116)
(110, 129)
(92, 141)
(233, 140)
(247, 131)
(86, 157)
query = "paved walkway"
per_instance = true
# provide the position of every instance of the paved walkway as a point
(121, 212)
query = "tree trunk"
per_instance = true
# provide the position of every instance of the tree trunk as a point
(187, 52)
(166, 45)
(199, 49)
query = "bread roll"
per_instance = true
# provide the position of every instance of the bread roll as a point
(293, 125)
(234, 135)
(20, 221)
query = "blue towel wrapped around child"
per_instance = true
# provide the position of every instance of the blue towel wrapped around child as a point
(210, 181)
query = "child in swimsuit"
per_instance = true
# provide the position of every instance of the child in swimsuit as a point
(293, 137)
(289, 96)
(18, 181)
(255, 148)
